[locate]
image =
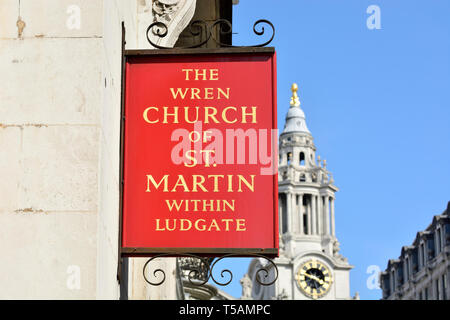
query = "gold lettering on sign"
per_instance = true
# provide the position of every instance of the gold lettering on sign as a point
(207, 114)
(193, 103)
(198, 183)
(207, 225)
(204, 205)
(201, 74)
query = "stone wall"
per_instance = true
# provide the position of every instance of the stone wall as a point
(60, 101)
(50, 106)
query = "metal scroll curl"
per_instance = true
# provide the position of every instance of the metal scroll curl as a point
(223, 26)
(195, 274)
(200, 272)
(161, 30)
(262, 274)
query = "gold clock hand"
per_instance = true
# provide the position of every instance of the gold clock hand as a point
(321, 282)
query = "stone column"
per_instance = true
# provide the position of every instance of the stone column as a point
(300, 212)
(319, 214)
(308, 210)
(314, 214)
(447, 285)
(280, 213)
(332, 218)
(288, 211)
(327, 215)
(294, 213)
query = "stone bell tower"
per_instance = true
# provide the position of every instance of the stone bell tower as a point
(309, 266)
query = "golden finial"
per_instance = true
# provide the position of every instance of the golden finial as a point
(295, 101)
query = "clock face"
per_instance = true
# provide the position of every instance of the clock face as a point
(314, 279)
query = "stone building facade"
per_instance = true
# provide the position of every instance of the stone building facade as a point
(423, 269)
(310, 265)
(60, 104)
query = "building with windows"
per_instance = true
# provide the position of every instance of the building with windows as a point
(422, 271)
(310, 265)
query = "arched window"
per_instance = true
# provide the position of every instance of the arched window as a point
(289, 158)
(302, 159)
(302, 177)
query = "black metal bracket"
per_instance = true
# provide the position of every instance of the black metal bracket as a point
(196, 27)
(199, 273)
(122, 118)
(202, 272)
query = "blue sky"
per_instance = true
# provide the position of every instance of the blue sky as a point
(378, 105)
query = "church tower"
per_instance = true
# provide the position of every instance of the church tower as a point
(309, 266)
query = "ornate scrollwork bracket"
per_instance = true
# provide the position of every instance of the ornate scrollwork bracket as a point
(199, 270)
(197, 27)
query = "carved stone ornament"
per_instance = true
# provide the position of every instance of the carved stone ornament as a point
(246, 284)
(282, 295)
(336, 254)
(336, 247)
(175, 14)
(164, 10)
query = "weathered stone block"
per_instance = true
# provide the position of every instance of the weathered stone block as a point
(50, 81)
(48, 256)
(10, 154)
(59, 168)
(62, 18)
(8, 18)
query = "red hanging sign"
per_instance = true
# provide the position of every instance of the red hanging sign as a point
(199, 153)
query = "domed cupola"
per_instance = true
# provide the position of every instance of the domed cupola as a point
(295, 118)
(306, 220)
(296, 142)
